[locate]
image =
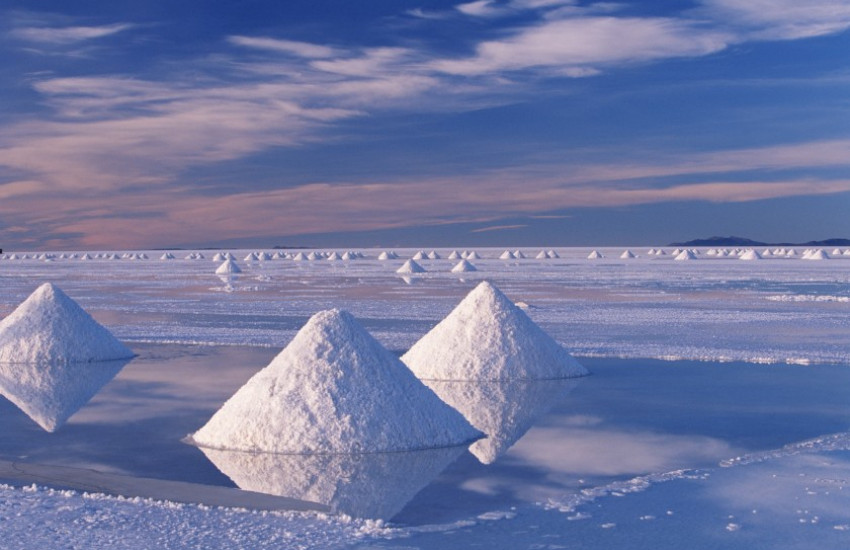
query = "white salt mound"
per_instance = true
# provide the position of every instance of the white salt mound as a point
(463, 266)
(410, 266)
(685, 255)
(628, 255)
(334, 389)
(750, 255)
(50, 327)
(595, 255)
(229, 266)
(487, 337)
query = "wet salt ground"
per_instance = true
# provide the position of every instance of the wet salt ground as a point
(631, 418)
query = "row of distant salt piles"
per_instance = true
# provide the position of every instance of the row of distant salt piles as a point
(54, 357)
(335, 389)
(742, 254)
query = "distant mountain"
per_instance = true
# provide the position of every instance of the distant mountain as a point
(744, 242)
(721, 241)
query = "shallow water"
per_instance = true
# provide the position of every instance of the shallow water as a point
(631, 417)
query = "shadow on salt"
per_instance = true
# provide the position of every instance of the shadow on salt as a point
(364, 485)
(50, 393)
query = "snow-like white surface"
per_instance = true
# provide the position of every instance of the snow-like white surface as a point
(334, 389)
(487, 337)
(50, 327)
(463, 266)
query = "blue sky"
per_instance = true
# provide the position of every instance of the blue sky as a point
(521, 122)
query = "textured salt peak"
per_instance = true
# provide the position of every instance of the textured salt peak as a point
(487, 337)
(348, 256)
(229, 266)
(454, 255)
(552, 255)
(628, 255)
(433, 255)
(685, 255)
(334, 389)
(420, 255)
(542, 255)
(463, 266)
(334, 257)
(50, 393)
(502, 409)
(363, 485)
(384, 256)
(410, 266)
(750, 255)
(473, 256)
(507, 255)
(50, 327)
(595, 255)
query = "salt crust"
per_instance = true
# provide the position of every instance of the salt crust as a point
(334, 389)
(487, 337)
(50, 327)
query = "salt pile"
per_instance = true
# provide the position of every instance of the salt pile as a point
(334, 389)
(228, 267)
(49, 327)
(507, 255)
(542, 255)
(628, 255)
(503, 409)
(818, 254)
(463, 266)
(54, 357)
(334, 257)
(750, 255)
(364, 485)
(595, 255)
(487, 337)
(454, 255)
(473, 256)
(420, 255)
(410, 266)
(685, 255)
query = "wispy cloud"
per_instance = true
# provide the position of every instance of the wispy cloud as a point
(67, 35)
(780, 19)
(300, 49)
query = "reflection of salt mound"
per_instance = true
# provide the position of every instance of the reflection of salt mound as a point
(487, 337)
(410, 266)
(502, 409)
(463, 266)
(372, 485)
(49, 327)
(50, 393)
(229, 266)
(334, 389)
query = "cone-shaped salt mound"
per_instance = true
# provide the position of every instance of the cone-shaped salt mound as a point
(49, 327)
(334, 389)
(487, 337)
(410, 266)
(229, 266)
(464, 266)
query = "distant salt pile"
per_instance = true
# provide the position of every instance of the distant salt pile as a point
(348, 256)
(791, 253)
(167, 256)
(312, 256)
(507, 255)
(750, 255)
(334, 389)
(49, 327)
(421, 255)
(541, 255)
(219, 257)
(383, 256)
(685, 255)
(836, 252)
(454, 255)
(299, 257)
(472, 256)
(518, 254)
(552, 254)
(464, 266)
(229, 267)
(595, 255)
(487, 337)
(628, 255)
(433, 255)
(334, 257)
(410, 266)
(818, 254)
(846, 252)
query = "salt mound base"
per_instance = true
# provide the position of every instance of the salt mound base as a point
(334, 389)
(50, 327)
(487, 337)
(364, 485)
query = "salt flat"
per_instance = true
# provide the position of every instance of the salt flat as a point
(716, 414)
